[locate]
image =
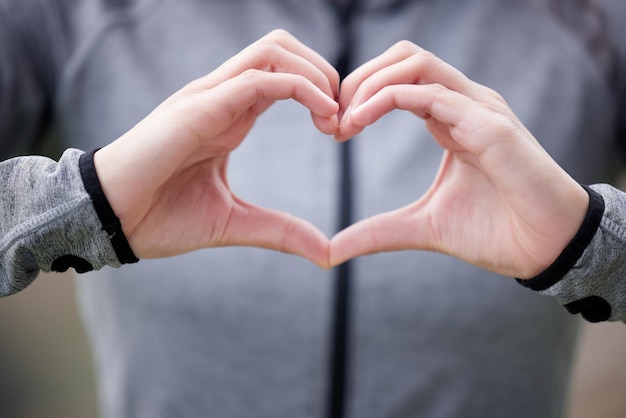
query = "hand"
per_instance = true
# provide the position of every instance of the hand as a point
(166, 178)
(499, 201)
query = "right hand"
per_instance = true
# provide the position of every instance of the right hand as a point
(166, 178)
(499, 201)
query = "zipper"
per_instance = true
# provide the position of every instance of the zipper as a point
(338, 385)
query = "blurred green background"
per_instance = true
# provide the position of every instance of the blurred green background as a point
(46, 371)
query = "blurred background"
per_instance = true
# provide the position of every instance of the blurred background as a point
(45, 365)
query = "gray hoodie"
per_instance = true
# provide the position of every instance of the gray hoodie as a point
(238, 332)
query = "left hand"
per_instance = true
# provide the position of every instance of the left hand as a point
(166, 178)
(499, 201)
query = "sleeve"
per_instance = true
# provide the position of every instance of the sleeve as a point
(589, 277)
(54, 216)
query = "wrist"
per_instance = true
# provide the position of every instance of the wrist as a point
(106, 213)
(574, 249)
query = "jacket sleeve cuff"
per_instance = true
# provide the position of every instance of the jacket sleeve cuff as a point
(110, 222)
(51, 223)
(587, 277)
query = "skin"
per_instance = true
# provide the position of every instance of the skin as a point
(177, 201)
(499, 201)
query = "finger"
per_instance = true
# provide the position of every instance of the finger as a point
(278, 51)
(202, 116)
(392, 231)
(254, 86)
(398, 52)
(217, 108)
(406, 63)
(473, 125)
(292, 44)
(255, 226)
(328, 126)
(422, 100)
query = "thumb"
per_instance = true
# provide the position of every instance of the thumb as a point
(256, 226)
(397, 230)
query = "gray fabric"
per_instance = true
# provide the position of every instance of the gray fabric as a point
(46, 214)
(239, 332)
(602, 268)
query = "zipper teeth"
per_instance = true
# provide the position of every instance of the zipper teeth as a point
(340, 332)
(338, 385)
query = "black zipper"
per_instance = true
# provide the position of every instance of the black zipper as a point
(338, 385)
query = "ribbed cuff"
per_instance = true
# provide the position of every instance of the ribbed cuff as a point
(574, 250)
(110, 222)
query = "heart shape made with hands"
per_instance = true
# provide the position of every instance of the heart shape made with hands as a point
(408, 227)
(478, 208)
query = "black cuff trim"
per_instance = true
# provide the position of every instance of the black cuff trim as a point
(574, 250)
(593, 308)
(110, 222)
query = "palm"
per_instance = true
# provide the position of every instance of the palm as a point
(480, 210)
(195, 207)
(469, 218)
(499, 201)
(176, 197)
(191, 210)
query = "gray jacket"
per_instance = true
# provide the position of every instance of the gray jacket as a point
(48, 221)
(244, 332)
(589, 276)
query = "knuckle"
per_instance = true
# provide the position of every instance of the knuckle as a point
(493, 125)
(423, 63)
(268, 54)
(250, 74)
(426, 57)
(250, 80)
(494, 95)
(267, 47)
(278, 34)
(508, 123)
(194, 85)
(406, 46)
(438, 87)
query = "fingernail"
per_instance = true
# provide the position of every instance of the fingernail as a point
(335, 120)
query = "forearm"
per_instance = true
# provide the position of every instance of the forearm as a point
(49, 221)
